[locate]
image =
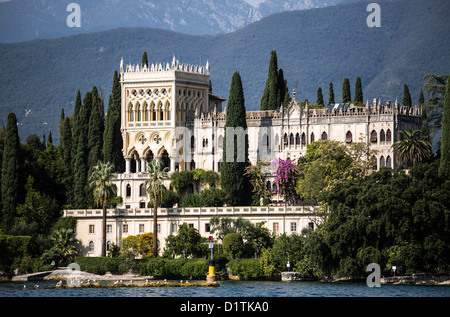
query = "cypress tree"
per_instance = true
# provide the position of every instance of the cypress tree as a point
(406, 97)
(287, 97)
(269, 98)
(281, 88)
(80, 169)
(331, 94)
(95, 132)
(144, 60)
(112, 140)
(50, 139)
(76, 126)
(346, 95)
(319, 96)
(421, 98)
(66, 143)
(444, 167)
(234, 183)
(11, 164)
(358, 91)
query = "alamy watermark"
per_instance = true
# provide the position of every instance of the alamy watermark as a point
(374, 278)
(74, 18)
(374, 18)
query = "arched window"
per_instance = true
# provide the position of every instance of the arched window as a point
(382, 136)
(291, 139)
(303, 138)
(275, 188)
(192, 165)
(91, 246)
(165, 159)
(142, 190)
(297, 139)
(139, 114)
(324, 136)
(388, 135)
(147, 112)
(128, 193)
(312, 137)
(388, 161)
(285, 139)
(268, 186)
(373, 136)
(382, 162)
(192, 142)
(130, 113)
(348, 137)
(108, 245)
(374, 163)
(153, 112)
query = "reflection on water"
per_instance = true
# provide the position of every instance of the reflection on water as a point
(229, 289)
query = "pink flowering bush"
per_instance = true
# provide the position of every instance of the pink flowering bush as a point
(286, 175)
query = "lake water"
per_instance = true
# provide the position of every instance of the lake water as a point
(230, 289)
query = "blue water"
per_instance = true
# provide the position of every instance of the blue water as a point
(230, 289)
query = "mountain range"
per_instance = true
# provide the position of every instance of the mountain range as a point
(314, 47)
(22, 20)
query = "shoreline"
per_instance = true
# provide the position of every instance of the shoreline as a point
(64, 274)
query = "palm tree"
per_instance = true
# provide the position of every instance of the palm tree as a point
(101, 180)
(65, 243)
(411, 149)
(156, 174)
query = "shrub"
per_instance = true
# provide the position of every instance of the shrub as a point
(213, 197)
(191, 200)
(101, 265)
(247, 269)
(174, 268)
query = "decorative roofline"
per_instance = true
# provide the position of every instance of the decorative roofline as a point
(160, 67)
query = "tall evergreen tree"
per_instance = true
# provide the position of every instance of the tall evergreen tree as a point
(444, 167)
(95, 132)
(358, 91)
(50, 139)
(76, 127)
(66, 143)
(11, 174)
(144, 60)
(112, 140)
(281, 90)
(269, 98)
(346, 94)
(319, 96)
(234, 183)
(421, 98)
(406, 97)
(80, 169)
(331, 94)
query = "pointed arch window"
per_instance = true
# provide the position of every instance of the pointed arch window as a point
(312, 137)
(324, 136)
(388, 135)
(348, 137)
(373, 136)
(382, 136)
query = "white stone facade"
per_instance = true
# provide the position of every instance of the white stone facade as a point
(168, 113)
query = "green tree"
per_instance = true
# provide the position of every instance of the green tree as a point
(187, 243)
(65, 243)
(101, 181)
(95, 131)
(233, 245)
(66, 143)
(331, 94)
(112, 140)
(156, 174)
(319, 97)
(407, 102)
(346, 94)
(257, 179)
(411, 148)
(38, 208)
(11, 166)
(358, 91)
(233, 181)
(444, 168)
(270, 98)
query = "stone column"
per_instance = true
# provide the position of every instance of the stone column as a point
(127, 166)
(143, 166)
